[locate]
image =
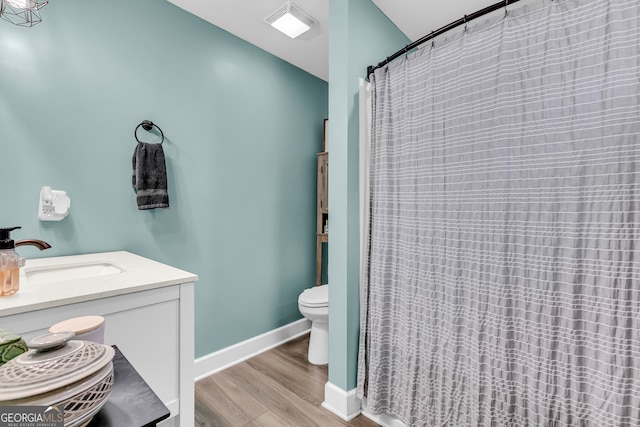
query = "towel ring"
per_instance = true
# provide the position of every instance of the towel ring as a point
(147, 125)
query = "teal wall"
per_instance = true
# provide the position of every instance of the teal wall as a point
(242, 131)
(360, 35)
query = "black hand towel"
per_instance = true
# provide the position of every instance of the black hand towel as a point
(150, 176)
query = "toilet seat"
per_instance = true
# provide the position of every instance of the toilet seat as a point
(318, 296)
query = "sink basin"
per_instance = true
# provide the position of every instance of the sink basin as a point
(73, 271)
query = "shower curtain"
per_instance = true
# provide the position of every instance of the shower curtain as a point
(501, 284)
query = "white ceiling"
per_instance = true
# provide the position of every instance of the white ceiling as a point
(310, 51)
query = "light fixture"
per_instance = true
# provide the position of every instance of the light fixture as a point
(22, 12)
(291, 20)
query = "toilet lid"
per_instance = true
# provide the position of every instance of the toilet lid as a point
(318, 296)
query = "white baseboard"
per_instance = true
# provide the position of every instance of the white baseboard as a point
(344, 404)
(229, 356)
(383, 419)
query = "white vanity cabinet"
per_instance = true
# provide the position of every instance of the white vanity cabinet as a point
(148, 311)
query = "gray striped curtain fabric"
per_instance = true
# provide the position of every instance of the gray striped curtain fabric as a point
(503, 283)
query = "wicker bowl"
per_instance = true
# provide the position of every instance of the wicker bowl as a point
(81, 400)
(76, 374)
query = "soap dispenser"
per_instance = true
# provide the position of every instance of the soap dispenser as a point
(10, 261)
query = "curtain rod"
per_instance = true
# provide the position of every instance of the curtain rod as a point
(452, 25)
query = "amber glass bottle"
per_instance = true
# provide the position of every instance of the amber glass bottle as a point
(10, 263)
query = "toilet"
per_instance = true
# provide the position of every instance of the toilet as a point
(313, 304)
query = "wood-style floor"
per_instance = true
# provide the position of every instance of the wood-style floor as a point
(277, 388)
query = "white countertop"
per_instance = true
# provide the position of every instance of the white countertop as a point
(138, 274)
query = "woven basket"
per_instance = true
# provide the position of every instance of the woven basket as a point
(74, 374)
(81, 400)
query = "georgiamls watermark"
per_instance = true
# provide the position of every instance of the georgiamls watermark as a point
(32, 416)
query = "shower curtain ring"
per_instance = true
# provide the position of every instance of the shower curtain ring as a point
(465, 23)
(433, 39)
(506, 10)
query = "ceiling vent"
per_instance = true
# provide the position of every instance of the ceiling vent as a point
(291, 20)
